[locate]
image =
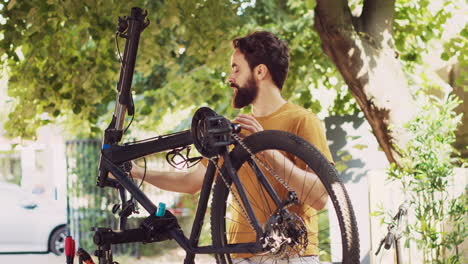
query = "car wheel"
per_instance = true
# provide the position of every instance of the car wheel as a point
(57, 241)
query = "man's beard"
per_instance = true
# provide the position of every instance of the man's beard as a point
(245, 95)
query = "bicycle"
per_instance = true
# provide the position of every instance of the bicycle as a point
(276, 230)
(393, 235)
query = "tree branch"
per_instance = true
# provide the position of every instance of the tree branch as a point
(377, 17)
(334, 23)
(335, 14)
(354, 55)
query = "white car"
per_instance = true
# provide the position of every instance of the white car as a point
(29, 223)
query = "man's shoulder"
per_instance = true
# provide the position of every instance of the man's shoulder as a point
(290, 117)
(297, 112)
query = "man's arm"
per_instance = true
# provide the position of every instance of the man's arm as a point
(184, 182)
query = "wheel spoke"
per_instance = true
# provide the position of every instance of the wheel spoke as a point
(302, 223)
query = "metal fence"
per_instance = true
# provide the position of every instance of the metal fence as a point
(89, 206)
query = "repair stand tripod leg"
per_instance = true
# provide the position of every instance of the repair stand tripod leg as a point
(104, 254)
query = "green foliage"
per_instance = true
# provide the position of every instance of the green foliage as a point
(457, 49)
(63, 64)
(425, 176)
(60, 60)
(416, 23)
(324, 236)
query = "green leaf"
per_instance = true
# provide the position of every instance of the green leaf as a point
(76, 109)
(310, 4)
(360, 146)
(346, 157)
(11, 4)
(445, 56)
(377, 213)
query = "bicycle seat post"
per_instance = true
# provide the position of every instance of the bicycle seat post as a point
(129, 28)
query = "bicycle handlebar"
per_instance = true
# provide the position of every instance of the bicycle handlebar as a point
(392, 235)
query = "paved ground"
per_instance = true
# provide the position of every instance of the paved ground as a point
(172, 257)
(31, 259)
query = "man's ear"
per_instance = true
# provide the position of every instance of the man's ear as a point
(261, 72)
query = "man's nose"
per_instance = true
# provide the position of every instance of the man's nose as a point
(230, 80)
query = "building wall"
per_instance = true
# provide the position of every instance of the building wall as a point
(43, 168)
(358, 160)
(362, 168)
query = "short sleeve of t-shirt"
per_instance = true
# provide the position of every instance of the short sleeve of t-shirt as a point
(310, 128)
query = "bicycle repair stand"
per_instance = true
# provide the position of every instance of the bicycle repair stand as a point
(161, 224)
(155, 228)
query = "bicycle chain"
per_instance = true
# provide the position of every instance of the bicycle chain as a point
(233, 194)
(252, 155)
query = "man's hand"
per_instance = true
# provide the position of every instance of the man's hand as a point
(248, 123)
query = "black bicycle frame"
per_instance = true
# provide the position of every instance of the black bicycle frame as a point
(113, 156)
(118, 154)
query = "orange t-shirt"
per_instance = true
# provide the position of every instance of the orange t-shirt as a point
(298, 121)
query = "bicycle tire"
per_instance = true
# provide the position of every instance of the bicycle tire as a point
(292, 144)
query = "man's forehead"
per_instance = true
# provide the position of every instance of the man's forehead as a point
(236, 57)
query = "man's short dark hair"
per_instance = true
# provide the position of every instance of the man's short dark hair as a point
(263, 47)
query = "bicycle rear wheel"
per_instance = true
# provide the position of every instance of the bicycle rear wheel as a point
(230, 224)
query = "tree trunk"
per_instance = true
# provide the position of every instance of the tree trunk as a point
(362, 50)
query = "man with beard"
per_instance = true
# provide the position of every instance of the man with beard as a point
(259, 66)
